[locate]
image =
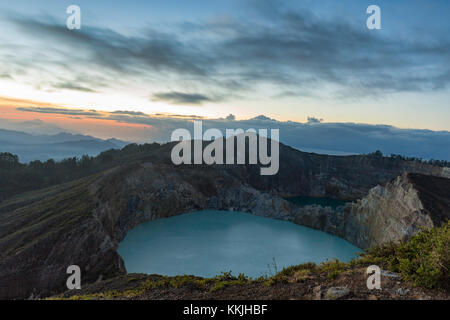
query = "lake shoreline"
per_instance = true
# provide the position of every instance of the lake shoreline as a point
(208, 242)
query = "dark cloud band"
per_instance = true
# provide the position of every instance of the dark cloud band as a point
(295, 52)
(182, 98)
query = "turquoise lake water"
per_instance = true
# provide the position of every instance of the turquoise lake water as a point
(324, 202)
(208, 242)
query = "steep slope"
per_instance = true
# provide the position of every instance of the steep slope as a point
(49, 231)
(434, 193)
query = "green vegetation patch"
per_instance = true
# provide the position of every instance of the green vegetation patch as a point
(219, 282)
(424, 259)
(226, 279)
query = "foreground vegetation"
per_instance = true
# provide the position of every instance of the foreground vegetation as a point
(424, 259)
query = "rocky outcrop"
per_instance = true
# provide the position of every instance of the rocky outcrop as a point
(82, 222)
(394, 212)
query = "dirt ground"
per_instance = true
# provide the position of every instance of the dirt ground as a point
(348, 285)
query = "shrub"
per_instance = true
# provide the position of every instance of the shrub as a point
(333, 268)
(424, 259)
(286, 274)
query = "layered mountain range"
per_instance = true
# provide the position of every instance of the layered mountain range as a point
(82, 222)
(58, 146)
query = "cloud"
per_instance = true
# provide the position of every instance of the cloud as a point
(182, 98)
(320, 137)
(74, 112)
(71, 86)
(5, 75)
(185, 116)
(132, 113)
(312, 136)
(262, 118)
(297, 53)
(314, 120)
(35, 126)
(114, 50)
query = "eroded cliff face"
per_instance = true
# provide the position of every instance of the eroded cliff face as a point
(393, 212)
(82, 222)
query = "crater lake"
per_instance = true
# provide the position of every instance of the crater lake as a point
(206, 243)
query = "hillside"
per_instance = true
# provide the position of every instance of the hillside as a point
(301, 173)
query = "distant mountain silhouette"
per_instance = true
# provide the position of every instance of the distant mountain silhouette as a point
(59, 146)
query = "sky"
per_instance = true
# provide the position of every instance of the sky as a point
(136, 68)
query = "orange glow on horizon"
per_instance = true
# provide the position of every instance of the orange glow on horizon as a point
(102, 128)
